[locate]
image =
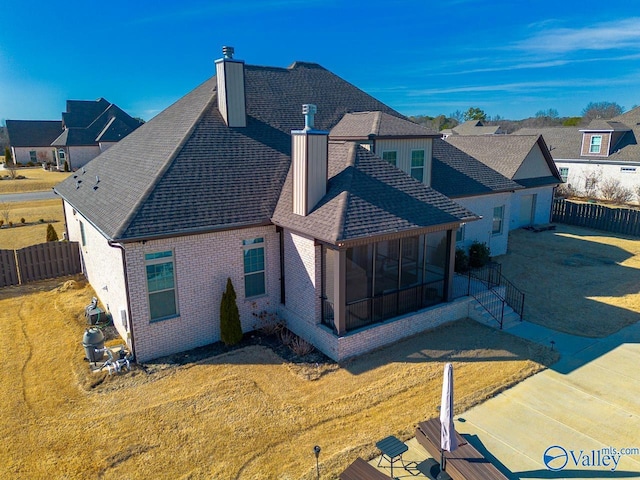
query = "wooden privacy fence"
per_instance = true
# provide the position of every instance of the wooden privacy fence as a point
(39, 262)
(599, 217)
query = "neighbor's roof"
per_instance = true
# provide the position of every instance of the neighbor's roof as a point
(474, 127)
(369, 125)
(565, 143)
(506, 154)
(457, 174)
(91, 122)
(185, 171)
(367, 197)
(33, 133)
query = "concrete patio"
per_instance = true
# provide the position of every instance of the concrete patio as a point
(581, 413)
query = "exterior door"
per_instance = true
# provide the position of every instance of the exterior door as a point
(527, 210)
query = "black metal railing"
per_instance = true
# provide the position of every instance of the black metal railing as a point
(393, 304)
(493, 291)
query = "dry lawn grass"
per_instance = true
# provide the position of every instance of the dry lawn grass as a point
(33, 231)
(243, 414)
(576, 280)
(37, 180)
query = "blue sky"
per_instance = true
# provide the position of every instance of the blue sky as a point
(510, 58)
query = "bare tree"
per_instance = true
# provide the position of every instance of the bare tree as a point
(612, 190)
(603, 110)
(5, 211)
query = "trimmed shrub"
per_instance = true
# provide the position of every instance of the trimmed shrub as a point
(479, 254)
(52, 235)
(230, 326)
(462, 261)
(22, 220)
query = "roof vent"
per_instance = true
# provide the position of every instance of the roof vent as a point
(309, 111)
(228, 52)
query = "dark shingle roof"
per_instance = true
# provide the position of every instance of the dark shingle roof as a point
(185, 171)
(562, 142)
(87, 123)
(363, 125)
(457, 174)
(33, 133)
(507, 153)
(368, 197)
(565, 143)
(475, 127)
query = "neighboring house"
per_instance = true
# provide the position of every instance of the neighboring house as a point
(471, 127)
(604, 150)
(526, 160)
(87, 129)
(328, 220)
(30, 140)
(90, 127)
(479, 188)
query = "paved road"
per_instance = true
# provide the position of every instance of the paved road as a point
(576, 412)
(26, 197)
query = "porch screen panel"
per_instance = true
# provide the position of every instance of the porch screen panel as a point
(387, 266)
(412, 261)
(436, 252)
(359, 269)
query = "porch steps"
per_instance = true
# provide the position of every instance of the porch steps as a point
(510, 319)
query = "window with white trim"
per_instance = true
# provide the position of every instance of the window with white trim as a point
(417, 165)
(161, 285)
(391, 156)
(596, 143)
(564, 173)
(254, 267)
(498, 220)
(33, 156)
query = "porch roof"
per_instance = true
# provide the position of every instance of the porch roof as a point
(368, 198)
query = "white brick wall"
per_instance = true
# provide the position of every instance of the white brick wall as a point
(102, 265)
(379, 334)
(202, 265)
(302, 275)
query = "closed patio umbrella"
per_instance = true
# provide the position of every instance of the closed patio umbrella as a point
(448, 440)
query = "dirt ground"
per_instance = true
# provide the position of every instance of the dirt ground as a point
(245, 413)
(576, 280)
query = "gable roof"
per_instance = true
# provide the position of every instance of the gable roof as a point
(370, 125)
(457, 174)
(506, 154)
(185, 171)
(475, 127)
(33, 133)
(367, 197)
(565, 143)
(90, 122)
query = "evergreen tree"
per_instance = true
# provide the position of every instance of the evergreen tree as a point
(52, 236)
(230, 326)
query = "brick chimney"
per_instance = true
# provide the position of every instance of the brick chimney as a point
(231, 100)
(309, 161)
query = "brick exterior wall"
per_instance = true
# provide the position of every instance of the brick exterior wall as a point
(22, 155)
(604, 144)
(379, 334)
(202, 265)
(102, 265)
(302, 277)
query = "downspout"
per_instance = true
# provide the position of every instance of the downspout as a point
(126, 288)
(280, 231)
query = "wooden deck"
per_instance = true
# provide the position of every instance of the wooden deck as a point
(464, 463)
(361, 470)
